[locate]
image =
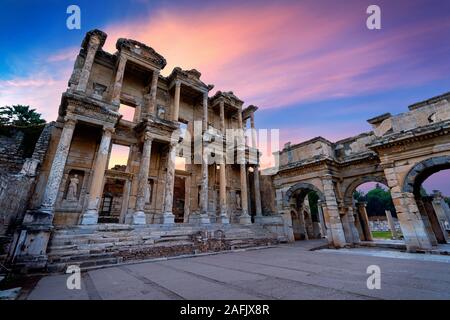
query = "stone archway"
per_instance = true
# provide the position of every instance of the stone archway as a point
(302, 186)
(432, 217)
(421, 171)
(296, 197)
(348, 194)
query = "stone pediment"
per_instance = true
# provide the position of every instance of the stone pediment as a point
(188, 77)
(229, 98)
(141, 50)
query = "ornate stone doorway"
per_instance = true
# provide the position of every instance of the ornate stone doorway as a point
(179, 199)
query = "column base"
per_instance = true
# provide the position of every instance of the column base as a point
(259, 219)
(138, 218)
(223, 220)
(200, 219)
(245, 219)
(165, 218)
(90, 217)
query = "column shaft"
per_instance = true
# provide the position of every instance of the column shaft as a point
(151, 108)
(204, 187)
(245, 217)
(139, 214)
(176, 101)
(94, 43)
(57, 169)
(256, 171)
(168, 216)
(95, 191)
(365, 221)
(223, 178)
(117, 88)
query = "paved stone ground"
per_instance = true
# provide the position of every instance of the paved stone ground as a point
(284, 272)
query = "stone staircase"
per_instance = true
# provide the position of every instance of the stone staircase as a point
(106, 244)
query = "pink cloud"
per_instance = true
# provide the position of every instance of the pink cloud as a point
(269, 55)
(41, 91)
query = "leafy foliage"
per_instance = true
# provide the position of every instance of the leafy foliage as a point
(19, 116)
(378, 200)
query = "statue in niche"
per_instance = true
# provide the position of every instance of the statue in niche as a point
(161, 111)
(148, 193)
(73, 188)
(238, 201)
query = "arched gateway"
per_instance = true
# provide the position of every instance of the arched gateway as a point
(401, 152)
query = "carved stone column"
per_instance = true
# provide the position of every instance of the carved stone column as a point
(90, 216)
(352, 225)
(440, 208)
(391, 223)
(117, 88)
(176, 101)
(139, 214)
(364, 219)
(94, 43)
(245, 217)
(151, 108)
(258, 207)
(167, 216)
(323, 228)
(57, 169)
(223, 178)
(204, 187)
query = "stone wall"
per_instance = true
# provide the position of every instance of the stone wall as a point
(11, 153)
(17, 184)
(381, 224)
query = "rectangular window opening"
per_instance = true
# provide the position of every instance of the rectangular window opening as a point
(118, 159)
(127, 112)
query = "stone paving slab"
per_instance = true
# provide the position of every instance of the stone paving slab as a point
(284, 272)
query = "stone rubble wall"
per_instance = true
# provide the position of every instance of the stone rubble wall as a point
(383, 225)
(17, 185)
(11, 153)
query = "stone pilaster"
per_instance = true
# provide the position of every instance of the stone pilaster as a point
(139, 214)
(117, 88)
(90, 216)
(413, 228)
(167, 216)
(176, 101)
(94, 43)
(57, 169)
(332, 213)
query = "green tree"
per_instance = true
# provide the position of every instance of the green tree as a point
(359, 196)
(379, 200)
(20, 116)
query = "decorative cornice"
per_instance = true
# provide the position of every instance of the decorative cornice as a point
(141, 50)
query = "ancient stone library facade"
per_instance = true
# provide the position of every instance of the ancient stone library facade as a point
(68, 204)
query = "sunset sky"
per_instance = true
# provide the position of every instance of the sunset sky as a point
(312, 67)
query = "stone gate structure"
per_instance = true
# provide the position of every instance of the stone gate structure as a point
(401, 152)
